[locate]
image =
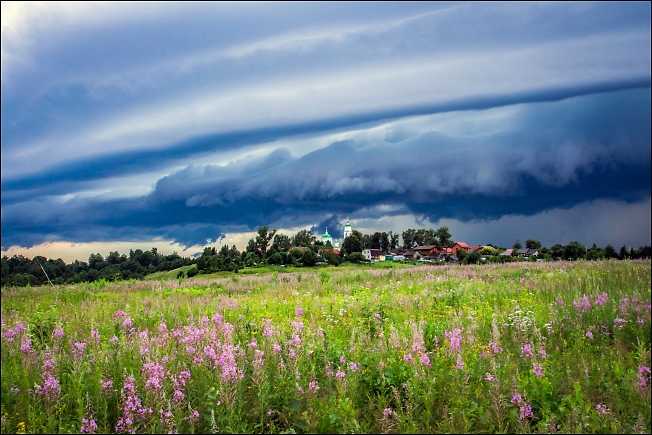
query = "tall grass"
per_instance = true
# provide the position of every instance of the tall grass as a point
(521, 347)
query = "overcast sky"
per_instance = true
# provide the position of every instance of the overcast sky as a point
(181, 125)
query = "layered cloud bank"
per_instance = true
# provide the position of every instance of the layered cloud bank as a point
(188, 123)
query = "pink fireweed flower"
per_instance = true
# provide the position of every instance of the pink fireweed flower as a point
(9, 335)
(601, 300)
(15, 390)
(455, 339)
(559, 301)
(643, 376)
(618, 322)
(425, 360)
(78, 350)
(602, 409)
(526, 351)
(88, 426)
(297, 327)
(178, 396)
(313, 385)
(516, 398)
(26, 345)
(119, 314)
(95, 336)
(583, 304)
(276, 348)
(58, 333)
(127, 324)
(538, 370)
(543, 354)
(408, 358)
(183, 378)
(114, 339)
(50, 389)
(460, 364)
(589, 334)
(298, 312)
(526, 412)
(354, 367)
(387, 412)
(106, 386)
(320, 333)
(340, 374)
(20, 328)
(489, 378)
(495, 348)
(155, 376)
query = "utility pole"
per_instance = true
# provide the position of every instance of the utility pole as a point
(46, 274)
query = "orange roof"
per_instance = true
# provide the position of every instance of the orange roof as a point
(462, 244)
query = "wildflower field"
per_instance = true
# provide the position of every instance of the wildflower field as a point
(520, 347)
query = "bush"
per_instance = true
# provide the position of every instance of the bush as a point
(355, 256)
(192, 272)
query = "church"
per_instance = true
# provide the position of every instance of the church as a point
(348, 230)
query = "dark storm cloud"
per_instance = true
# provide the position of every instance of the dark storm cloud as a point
(135, 161)
(553, 155)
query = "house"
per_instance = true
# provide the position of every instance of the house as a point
(397, 251)
(475, 248)
(526, 252)
(426, 250)
(453, 259)
(398, 258)
(372, 254)
(411, 255)
(460, 245)
(331, 251)
(507, 253)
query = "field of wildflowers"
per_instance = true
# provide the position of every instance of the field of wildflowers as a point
(520, 347)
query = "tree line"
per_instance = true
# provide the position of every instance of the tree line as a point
(269, 247)
(21, 271)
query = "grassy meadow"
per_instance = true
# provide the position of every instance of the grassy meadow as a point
(519, 347)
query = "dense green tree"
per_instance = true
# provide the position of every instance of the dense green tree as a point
(331, 257)
(573, 251)
(353, 243)
(281, 243)
(355, 256)
(393, 240)
(263, 239)
(308, 258)
(444, 236)
(532, 244)
(516, 246)
(251, 259)
(304, 238)
(4, 271)
(409, 238)
(593, 254)
(94, 260)
(610, 252)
